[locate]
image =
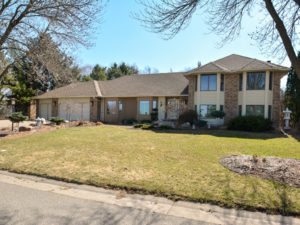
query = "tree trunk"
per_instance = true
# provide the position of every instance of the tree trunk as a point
(284, 36)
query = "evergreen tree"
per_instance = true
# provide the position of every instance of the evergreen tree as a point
(292, 95)
(116, 71)
(98, 73)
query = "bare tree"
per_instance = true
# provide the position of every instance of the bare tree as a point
(278, 32)
(24, 24)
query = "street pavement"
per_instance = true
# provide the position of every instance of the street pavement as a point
(32, 200)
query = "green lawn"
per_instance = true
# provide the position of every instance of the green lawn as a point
(179, 165)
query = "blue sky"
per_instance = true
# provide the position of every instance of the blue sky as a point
(120, 38)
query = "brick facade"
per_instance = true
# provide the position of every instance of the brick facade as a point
(231, 96)
(33, 109)
(276, 109)
(54, 107)
(191, 100)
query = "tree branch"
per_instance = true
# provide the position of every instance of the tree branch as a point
(284, 36)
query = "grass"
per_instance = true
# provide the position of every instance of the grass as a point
(179, 165)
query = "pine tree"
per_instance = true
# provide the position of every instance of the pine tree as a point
(98, 73)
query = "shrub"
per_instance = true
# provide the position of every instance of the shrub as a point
(190, 116)
(57, 120)
(250, 123)
(99, 124)
(16, 117)
(154, 115)
(128, 121)
(164, 127)
(201, 123)
(147, 126)
(138, 125)
(146, 121)
(218, 114)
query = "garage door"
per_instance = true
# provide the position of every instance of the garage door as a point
(73, 110)
(45, 111)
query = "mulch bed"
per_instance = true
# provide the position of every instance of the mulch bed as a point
(284, 170)
(7, 134)
(10, 135)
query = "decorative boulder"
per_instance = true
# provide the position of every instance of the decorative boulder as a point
(24, 129)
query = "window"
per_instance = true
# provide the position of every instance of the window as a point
(240, 110)
(271, 81)
(154, 104)
(111, 107)
(196, 108)
(256, 110)
(144, 107)
(209, 82)
(270, 112)
(206, 110)
(241, 82)
(196, 83)
(222, 82)
(222, 108)
(120, 107)
(256, 81)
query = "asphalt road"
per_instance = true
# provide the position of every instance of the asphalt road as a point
(20, 205)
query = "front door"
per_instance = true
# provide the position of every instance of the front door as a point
(173, 109)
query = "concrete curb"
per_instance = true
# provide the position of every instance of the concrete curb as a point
(200, 212)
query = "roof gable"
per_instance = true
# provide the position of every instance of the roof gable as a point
(78, 89)
(237, 63)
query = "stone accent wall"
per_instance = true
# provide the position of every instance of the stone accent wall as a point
(276, 109)
(54, 107)
(94, 109)
(33, 109)
(191, 101)
(231, 96)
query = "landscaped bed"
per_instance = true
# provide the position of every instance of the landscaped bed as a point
(176, 164)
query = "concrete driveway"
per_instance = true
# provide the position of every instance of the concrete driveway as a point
(7, 124)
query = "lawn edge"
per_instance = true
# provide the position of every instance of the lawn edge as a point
(173, 197)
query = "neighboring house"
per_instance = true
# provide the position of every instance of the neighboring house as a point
(236, 84)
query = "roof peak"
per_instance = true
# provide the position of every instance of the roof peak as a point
(237, 63)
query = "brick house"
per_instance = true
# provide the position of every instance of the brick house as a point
(236, 84)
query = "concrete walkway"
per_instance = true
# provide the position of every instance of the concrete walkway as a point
(42, 201)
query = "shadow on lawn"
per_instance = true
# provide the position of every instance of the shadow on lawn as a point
(284, 206)
(226, 133)
(296, 136)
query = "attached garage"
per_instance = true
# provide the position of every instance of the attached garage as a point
(74, 109)
(45, 109)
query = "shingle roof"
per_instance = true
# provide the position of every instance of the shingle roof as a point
(237, 63)
(78, 89)
(168, 84)
(164, 84)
